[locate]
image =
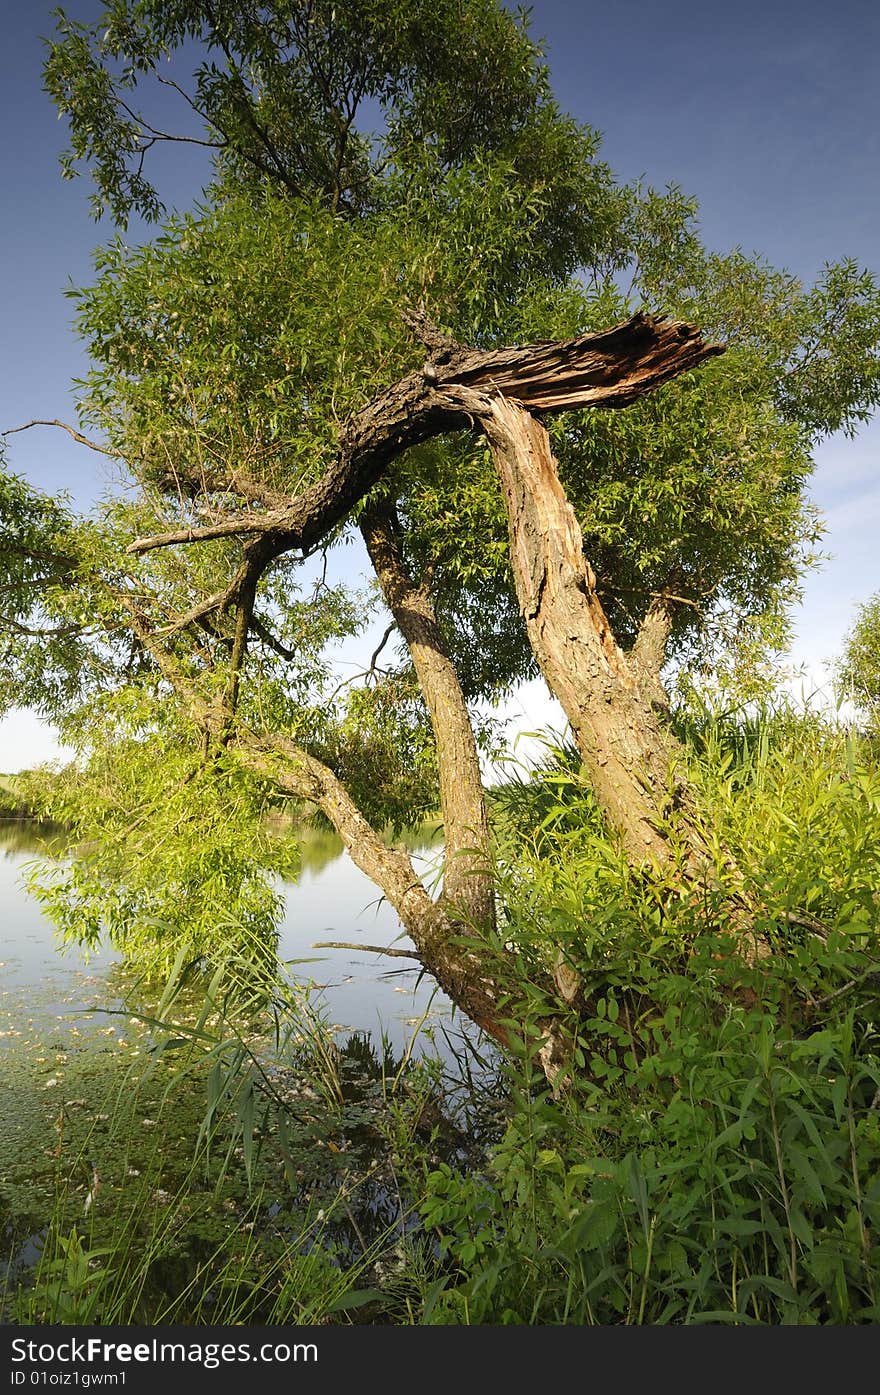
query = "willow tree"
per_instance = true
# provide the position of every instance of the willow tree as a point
(859, 664)
(391, 312)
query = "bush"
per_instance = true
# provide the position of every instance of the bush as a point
(714, 1152)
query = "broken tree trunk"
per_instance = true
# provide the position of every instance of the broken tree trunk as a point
(611, 369)
(628, 752)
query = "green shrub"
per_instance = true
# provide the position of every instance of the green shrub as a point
(712, 1152)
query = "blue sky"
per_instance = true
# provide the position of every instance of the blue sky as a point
(767, 112)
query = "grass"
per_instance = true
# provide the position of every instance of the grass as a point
(710, 1154)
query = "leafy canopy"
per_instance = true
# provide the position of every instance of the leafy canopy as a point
(859, 668)
(367, 157)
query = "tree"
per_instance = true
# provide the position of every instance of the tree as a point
(859, 667)
(272, 370)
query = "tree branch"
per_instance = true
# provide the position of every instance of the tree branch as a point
(610, 369)
(210, 481)
(71, 431)
(371, 667)
(264, 634)
(648, 653)
(368, 949)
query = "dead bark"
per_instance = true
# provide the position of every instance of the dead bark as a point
(467, 877)
(611, 369)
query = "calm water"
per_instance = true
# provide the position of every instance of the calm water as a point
(45, 988)
(84, 1094)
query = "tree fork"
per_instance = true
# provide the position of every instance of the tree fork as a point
(627, 750)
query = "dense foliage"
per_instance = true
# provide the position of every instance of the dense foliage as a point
(859, 669)
(708, 1147)
(712, 1157)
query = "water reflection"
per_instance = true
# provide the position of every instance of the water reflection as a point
(28, 836)
(44, 982)
(85, 1095)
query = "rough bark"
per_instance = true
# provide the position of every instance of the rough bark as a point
(648, 654)
(467, 877)
(627, 751)
(611, 369)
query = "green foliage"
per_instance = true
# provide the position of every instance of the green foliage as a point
(859, 667)
(173, 852)
(697, 492)
(283, 94)
(727, 1175)
(769, 786)
(229, 352)
(249, 331)
(40, 565)
(711, 1151)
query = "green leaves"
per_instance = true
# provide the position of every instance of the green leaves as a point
(281, 95)
(859, 667)
(48, 605)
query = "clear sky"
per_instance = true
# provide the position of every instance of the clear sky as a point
(766, 110)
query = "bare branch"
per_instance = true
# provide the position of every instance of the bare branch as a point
(232, 526)
(156, 134)
(380, 646)
(264, 634)
(257, 556)
(434, 339)
(368, 949)
(211, 481)
(244, 601)
(71, 431)
(49, 632)
(669, 596)
(198, 612)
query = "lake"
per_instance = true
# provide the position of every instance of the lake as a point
(85, 1094)
(45, 986)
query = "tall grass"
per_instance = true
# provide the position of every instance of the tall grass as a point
(714, 1152)
(709, 1153)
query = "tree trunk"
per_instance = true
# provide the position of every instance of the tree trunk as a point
(467, 875)
(648, 654)
(440, 937)
(447, 947)
(628, 752)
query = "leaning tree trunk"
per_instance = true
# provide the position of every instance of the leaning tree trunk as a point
(448, 948)
(452, 951)
(629, 754)
(467, 876)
